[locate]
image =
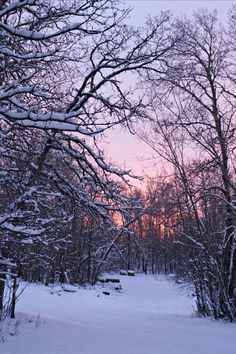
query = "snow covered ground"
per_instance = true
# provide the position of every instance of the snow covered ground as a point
(150, 316)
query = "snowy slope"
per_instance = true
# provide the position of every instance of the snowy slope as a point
(149, 317)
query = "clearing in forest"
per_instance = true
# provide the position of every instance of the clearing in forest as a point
(150, 316)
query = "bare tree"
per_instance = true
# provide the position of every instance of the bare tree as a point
(194, 102)
(68, 68)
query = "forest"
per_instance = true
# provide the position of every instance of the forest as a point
(70, 71)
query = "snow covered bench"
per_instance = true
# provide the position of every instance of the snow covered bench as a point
(109, 280)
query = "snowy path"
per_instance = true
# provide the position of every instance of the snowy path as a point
(149, 317)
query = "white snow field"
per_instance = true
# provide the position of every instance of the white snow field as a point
(150, 316)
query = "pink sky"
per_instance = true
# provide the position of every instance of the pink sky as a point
(125, 149)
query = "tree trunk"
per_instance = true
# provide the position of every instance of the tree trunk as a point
(2, 287)
(13, 300)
